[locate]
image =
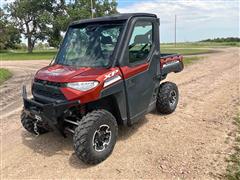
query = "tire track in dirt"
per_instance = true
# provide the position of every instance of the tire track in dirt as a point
(190, 143)
(10, 91)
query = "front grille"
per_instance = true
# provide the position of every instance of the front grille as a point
(47, 91)
(57, 96)
(50, 83)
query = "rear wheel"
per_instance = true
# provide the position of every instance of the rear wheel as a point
(95, 136)
(28, 124)
(167, 98)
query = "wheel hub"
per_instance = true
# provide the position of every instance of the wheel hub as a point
(101, 138)
(172, 98)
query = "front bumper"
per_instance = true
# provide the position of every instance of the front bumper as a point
(49, 113)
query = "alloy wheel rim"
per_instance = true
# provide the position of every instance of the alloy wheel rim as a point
(101, 138)
(172, 98)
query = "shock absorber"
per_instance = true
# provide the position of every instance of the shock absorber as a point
(72, 118)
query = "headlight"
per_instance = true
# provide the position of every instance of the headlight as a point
(83, 86)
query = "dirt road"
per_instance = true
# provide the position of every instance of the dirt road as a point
(190, 143)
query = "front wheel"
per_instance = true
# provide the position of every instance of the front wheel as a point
(167, 99)
(95, 136)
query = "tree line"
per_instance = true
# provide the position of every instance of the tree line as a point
(45, 20)
(228, 39)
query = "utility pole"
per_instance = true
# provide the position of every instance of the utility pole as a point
(92, 8)
(175, 31)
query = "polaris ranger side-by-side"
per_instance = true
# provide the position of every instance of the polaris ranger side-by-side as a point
(107, 73)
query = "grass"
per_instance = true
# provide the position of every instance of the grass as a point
(190, 60)
(48, 55)
(181, 48)
(233, 168)
(186, 51)
(201, 45)
(4, 75)
(21, 55)
(194, 48)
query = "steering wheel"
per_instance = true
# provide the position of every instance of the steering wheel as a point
(141, 52)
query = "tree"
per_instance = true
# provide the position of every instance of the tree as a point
(9, 35)
(81, 9)
(105, 7)
(32, 17)
(46, 19)
(60, 21)
(64, 13)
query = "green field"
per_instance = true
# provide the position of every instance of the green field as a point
(181, 48)
(195, 48)
(201, 45)
(189, 60)
(187, 51)
(4, 75)
(22, 55)
(48, 55)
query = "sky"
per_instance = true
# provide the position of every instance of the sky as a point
(196, 19)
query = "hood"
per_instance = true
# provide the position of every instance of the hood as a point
(61, 73)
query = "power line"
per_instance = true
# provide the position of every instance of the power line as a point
(92, 8)
(175, 31)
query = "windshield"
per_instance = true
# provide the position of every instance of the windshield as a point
(89, 45)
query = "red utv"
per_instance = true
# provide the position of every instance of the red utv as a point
(108, 72)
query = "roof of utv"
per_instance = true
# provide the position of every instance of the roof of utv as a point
(123, 16)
